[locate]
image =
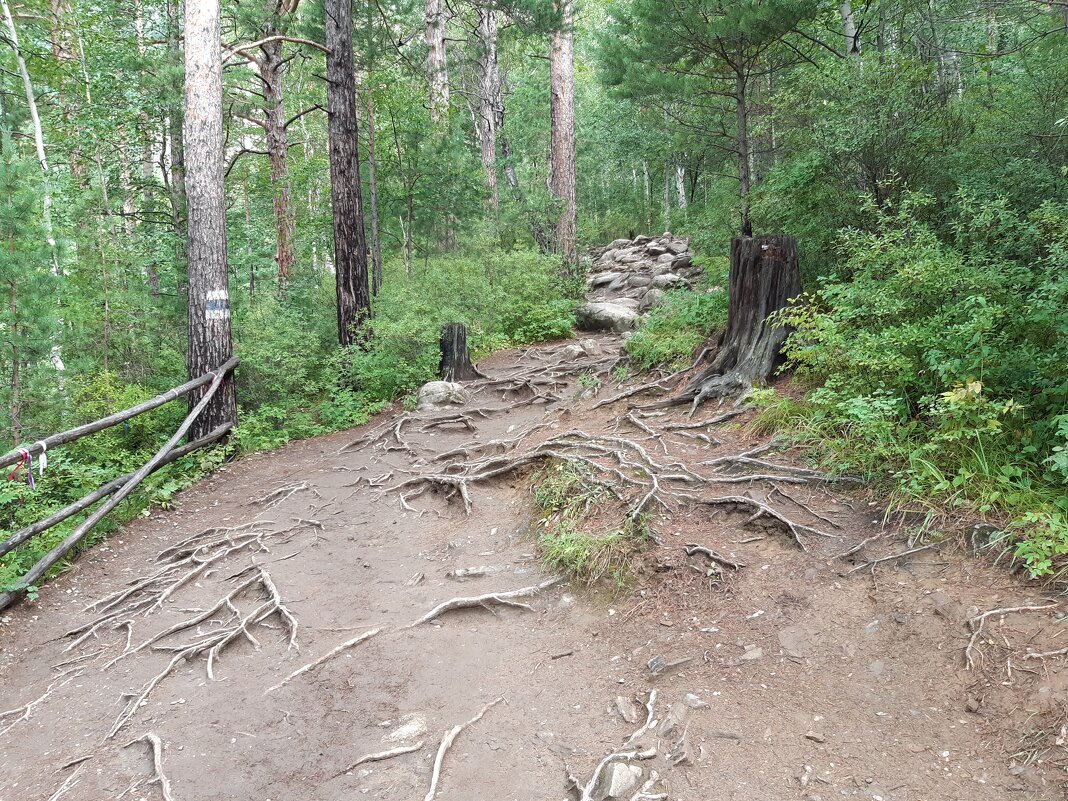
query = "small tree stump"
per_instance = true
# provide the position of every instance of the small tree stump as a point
(764, 278)
(455, 364)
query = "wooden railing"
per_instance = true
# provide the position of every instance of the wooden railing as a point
(118, 488)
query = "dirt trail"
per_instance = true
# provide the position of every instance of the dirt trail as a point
(792, 681)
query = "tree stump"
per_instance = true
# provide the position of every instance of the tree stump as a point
(764, 278)
(455, 364)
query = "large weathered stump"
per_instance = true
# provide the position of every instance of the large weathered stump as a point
(455, 364)
(764, 278)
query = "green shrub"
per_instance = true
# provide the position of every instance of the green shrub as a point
(671, 333)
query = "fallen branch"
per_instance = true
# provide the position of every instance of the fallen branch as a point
(158, 776)
(382, 755)
(327, 656)
(446, 743)
(1046, 654)
(502, 598)
(975, 625)
(692, 548)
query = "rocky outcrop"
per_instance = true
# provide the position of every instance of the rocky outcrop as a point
(630, 276)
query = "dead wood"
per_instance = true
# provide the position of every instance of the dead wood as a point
(485, 601)
(324, 658)
(694, 548)
(975, 625)
(761, 509)
(446, 743)
(155, 746)
(1046, 654)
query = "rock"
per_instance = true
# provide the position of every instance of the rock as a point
(654, 297)
(639, 280)
(589, 347)
(620, 779)
(607, 257)
(626, 709)
(667, 280)
(694, 701)
(626, 303)
(572, 352)
(413, 726)
(441, 393)
(604, 316)
(815, 737)
(620, 243)
(640, 239)
(946, 607)
(463, 573)
(601, 279)
(629, 258)
(682, 262)
(674, 720)
(655, 249)
(752, 653)
(682, 752)
(665, 258)
(973, 705)
(678, 247)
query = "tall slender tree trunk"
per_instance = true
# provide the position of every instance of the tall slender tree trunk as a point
(680, 186)
(490, 112)
(210, 343)
(562, 177)
(647, 193)
(436, 60)
(849, 29)
(350, 242)
(272, 69)
(38, 133)
(744, 175)
(15, 400)
(175, 166)
(372, 189)
(666, 205)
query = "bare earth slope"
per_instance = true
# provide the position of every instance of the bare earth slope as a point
(784, 679)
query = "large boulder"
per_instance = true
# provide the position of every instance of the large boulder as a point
(655, 249)
(678, 247)
(665, 258)
(615, 316)
(639, 280)
(619, 243)
(435, 394)
(682, 261)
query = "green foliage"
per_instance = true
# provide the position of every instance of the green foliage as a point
(569, 503)
(671, 334)
(947, 364)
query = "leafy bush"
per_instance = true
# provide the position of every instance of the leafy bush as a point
(946, 363)
(671, 333)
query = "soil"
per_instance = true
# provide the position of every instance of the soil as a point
(786, 679)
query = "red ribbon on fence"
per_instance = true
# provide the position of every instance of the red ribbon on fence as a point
(27, 462)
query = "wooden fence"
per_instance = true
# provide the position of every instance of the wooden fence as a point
(118, 488)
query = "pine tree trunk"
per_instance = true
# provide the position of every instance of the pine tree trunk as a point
(764, 278)
(455, 364)
(436, 60)
(350, 241)
(490, 114)
(176, 166)
(562, 178)
(210, 343)
(272, 69)
(372, 188)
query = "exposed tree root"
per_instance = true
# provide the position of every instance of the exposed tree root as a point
(446, 743)
(457, 419)
(388, 436)
(893, 557)
(693, 548)
(13, 717)
(775, 489)
(70, 781)
(484, 601)
(382, 755)
(155, 746)
(975, 625)
(272, 499)
(236, 625)
(781, 472)
(183, 562)
(325, 657)
(1046, 654)
(760, 509)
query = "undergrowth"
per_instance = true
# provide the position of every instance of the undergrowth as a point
(569, 538)
(293, 383)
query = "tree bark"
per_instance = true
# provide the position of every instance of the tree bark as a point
(849, 29)
(175, 168)
(490, 112)
(372, 188)
(455, 364)
(562, 178)
(436, 60)
(210, 343)
(764, 278)
(350, 241)
(272, 69)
